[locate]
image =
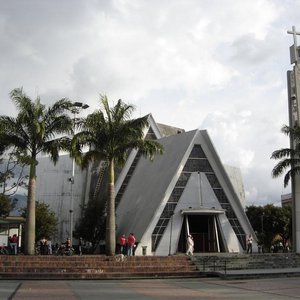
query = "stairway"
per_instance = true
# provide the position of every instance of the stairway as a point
(247, 264)
(95, 267)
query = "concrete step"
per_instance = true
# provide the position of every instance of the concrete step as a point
(95, 267)
(99, 275)
(246, 262)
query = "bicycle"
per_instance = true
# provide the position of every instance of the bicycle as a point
(3, 250)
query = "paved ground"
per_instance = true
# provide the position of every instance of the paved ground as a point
(186, 289)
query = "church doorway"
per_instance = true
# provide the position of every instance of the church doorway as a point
(205, 232)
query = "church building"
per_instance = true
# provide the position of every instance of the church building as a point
(187, 190)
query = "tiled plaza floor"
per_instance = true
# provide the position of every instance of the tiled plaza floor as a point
(185, 289)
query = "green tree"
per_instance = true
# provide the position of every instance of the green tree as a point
(12, 175)
(35, 130)
(92, 224)
(289, 157)
(270, 222)
(6, 205)
(46, 221)
(111, 133)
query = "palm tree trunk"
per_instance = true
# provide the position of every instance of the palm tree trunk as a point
(110, 238)
(30, 215)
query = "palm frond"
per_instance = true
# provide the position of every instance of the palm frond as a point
(285, 152)
(291, 174)
(289, 157)
(85, 159)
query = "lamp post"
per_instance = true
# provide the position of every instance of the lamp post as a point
(262, 232)
(75, 110)
(171, 229)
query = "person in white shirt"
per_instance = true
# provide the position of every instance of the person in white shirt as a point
(249, 244)
(190, 245)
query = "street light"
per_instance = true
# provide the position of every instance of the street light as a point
(75, 110)
(171, 229)
(262, 232)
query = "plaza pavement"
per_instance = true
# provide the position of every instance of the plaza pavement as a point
(152, 289)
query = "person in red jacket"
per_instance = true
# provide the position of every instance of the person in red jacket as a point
(122, 243)
(14, 244)
(130, 244)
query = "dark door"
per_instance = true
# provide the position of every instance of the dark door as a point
(202, 229)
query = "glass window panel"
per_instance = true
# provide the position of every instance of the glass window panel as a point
(213, 180)
(197, 151)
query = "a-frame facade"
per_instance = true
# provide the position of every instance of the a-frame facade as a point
(186, 190)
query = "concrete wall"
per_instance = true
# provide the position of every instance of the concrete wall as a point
(54, 188)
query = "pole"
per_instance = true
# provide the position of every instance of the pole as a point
(294, 95)
(262, 233)
(170, 244)
(71, 209)
(200, 189)
(75, 110)
(72, 188)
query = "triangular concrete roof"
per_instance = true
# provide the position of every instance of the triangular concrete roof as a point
(150, 184)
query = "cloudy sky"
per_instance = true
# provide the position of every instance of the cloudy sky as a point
(218, 65)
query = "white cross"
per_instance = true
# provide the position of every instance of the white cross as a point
(294, 33)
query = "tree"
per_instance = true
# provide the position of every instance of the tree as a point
(46, 221)
(111, 134)
(92, 224)
(289, 157)
(35, 130)
(270, 222)
(6, 205)
(12, 175)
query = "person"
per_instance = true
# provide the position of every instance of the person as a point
(9, 245)
(43, 246)
(68, 249)
(68, 244)
(190, 245)
(14, 244)
(80, 246)
(122, 243)
(49, 247)
(130, 244)
(249, 244)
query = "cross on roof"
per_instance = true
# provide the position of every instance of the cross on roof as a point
(294, 33)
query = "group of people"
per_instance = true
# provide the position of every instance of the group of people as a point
(127, 245)
(66, 248)
(45, 247)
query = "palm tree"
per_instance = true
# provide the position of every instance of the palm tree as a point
(35, 130)
(111, 133)
(289, 157)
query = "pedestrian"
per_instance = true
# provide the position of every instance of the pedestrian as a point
(80, 246)
(249, 244)
(11, 250)
(49, 247)
(190, 245)
(130, 244)
(68, 244)
(14, 244)
(43, 246)
(122, 243)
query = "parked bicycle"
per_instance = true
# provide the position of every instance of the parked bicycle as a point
(4, 250)
(63, 250)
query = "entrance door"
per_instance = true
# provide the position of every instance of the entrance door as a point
(203, 229)
(199, 229)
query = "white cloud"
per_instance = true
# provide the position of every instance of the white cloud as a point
(218, 64)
